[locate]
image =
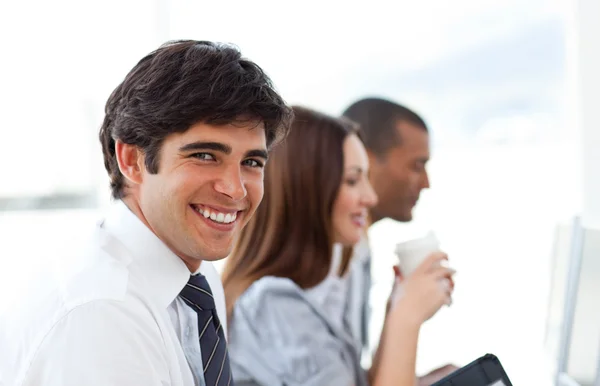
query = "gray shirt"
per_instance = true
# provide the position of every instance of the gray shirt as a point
(280, 335)
(358, 290)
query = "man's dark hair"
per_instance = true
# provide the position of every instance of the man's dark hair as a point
(378, 119)
(180, 84)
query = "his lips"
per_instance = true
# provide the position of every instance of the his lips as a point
(219, 215)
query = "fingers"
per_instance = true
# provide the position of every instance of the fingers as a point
(433, 260)
(446, 287)
(442, 272)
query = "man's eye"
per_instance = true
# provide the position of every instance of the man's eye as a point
(203, 156)
(253, 163)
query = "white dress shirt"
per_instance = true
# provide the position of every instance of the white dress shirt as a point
(107, 314)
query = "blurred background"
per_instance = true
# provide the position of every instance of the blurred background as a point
(507, 88)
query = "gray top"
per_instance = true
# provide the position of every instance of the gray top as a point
(358, 291)
(279, 335)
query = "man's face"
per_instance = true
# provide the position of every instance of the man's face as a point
(209, 183)
(399, 175)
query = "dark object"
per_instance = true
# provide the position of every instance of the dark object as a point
(485, 371)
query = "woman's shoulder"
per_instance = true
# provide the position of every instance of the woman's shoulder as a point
(278, 336)
(270, 293)
(281, 308)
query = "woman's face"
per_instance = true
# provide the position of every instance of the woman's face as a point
(355, 196)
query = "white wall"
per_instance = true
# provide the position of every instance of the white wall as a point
(587, 86)
(583, 88)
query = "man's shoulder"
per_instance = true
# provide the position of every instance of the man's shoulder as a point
(79, 335)
(72, 276)
(77, 282)
(94, 268)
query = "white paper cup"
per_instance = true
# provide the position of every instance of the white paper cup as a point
(412, 253)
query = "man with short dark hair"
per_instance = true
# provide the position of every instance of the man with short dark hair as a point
(185, 138)
(397, 142)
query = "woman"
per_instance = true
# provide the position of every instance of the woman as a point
(280, 281)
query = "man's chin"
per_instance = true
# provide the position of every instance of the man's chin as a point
(403, 217)
(215, 258)
(217, 254)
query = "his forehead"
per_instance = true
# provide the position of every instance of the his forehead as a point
(236, 136)
(413, 142)
(409, 133)
(235, 128)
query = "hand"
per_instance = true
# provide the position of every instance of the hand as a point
(395, 288)
(399, 277)
(423, 295)
(436, 375)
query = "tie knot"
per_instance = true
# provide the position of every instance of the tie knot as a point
(197, 293)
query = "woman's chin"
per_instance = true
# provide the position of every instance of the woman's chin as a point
(351, 240)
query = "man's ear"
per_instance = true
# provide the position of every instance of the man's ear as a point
(131, 162)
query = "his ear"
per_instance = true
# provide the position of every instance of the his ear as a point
(131, 162)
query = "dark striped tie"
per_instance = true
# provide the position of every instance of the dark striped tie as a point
(215, 360)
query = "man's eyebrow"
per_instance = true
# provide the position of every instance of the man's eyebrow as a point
(196, 146)
(258, 153)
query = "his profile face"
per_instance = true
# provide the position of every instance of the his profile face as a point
(399, 176)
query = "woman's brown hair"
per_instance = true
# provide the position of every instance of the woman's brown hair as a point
(291, 233)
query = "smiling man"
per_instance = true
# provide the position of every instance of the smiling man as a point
(185, 139)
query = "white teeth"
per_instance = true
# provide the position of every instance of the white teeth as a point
(218, 217)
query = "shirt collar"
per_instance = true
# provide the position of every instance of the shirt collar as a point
(362, 250)
(336, 259)
(163, 273)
